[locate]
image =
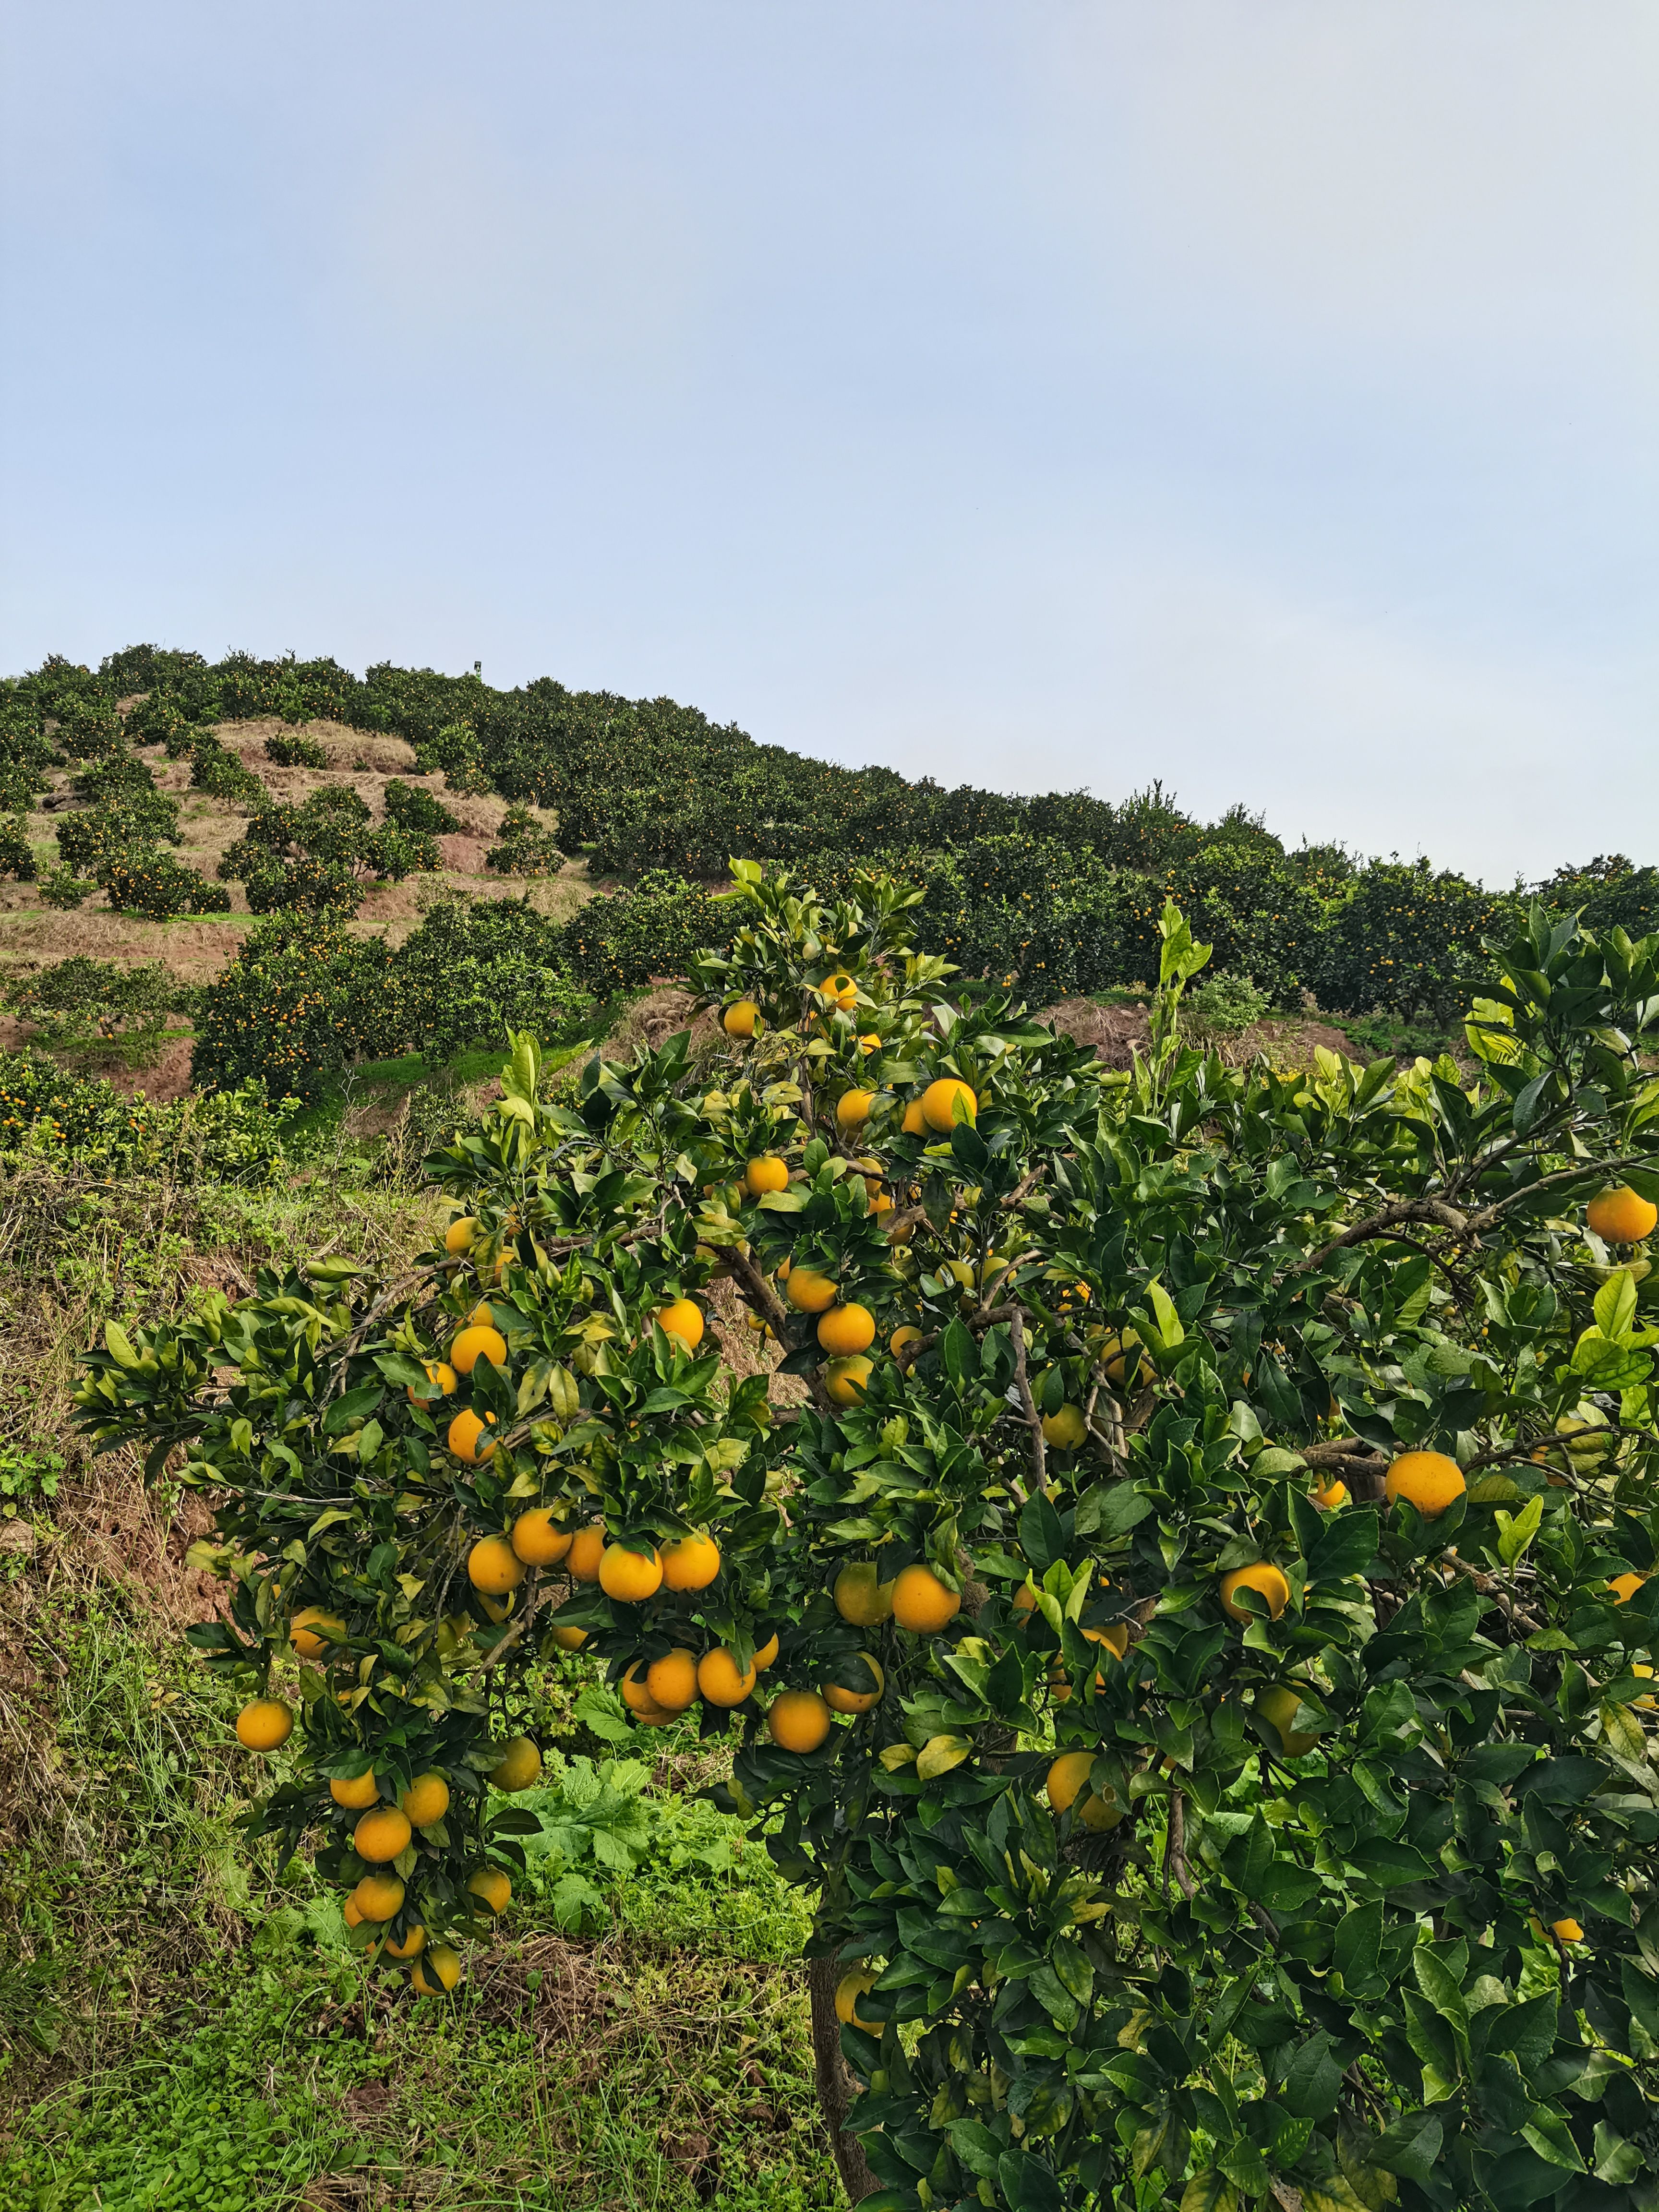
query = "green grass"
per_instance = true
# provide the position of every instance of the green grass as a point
(221, 2050)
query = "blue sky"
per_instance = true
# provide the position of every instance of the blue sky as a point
(1260, 396)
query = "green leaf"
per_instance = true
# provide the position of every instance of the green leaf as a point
(1615, 1304)
(1617, 2162)
(353, 1406)
(940, 1753)
(119, 1345)
(1210, 2191)
(1347, 1545)
(1440, 1987)
(1314, 2081)
(1551, 2137)
(1168, 1321)
(1025, 2181)
(1515, 1532)
(1358, 1937)
(957, 1351)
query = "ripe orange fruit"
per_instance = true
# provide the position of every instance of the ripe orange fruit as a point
(357, 1795)
(478, 1341)
(1624, 1586)
(922, 1602)
(847, 1329)
(465, 1432)
(519, 1765)
(1262, 1576)
(808, 1291)
(1330, 1495)
(458, 1237)
(846, 1380)
(314, 1633)
(629, 1576)
(438, 1972)
(438, 1371)
(769, 1173)
(859, 1597)
(635, 1694)
(901, 1336)
(381, 1834)
(856, 1701)
(263, 1725)
(766, 1653)
(425, 1802)
(491, 1886)
(914, 1125)
(378, 1897)
(567, 1639)
(671, 1681)
(799, 1720)
(1428, 1479)
(413, 1944)
(870, 1042)
(683, 1320)
(537, 1538)
(719, 1679)
(849, 1989)
(945, 1101)
(839, 987)
(497, 1608)
(1566, 1931)
(1065, 1430)
(1277, 1705)
(690, 1564)
(739, 1018)
(853, 1108)
(494, 1567)
(587, 1550)
(1621, 1216)
(1067, 1776)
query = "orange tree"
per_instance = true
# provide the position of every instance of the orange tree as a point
(1193, 1636)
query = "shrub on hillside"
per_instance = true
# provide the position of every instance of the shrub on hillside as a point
(83, 1122)
(626, 938)
(304, 858)
(158, 720)
(418, 811)
(17, 854)
(1610, 893)
(85, 727)
(20, 786)
(302, 886)
(62, 888)
(473, 970)
(81, 1001)
(1409, 940)
(524, 845)
(86, 842)
(455, 749)
(154, 885)
(291, 1008)
(117, 778)
(295, 750)
(216, 769)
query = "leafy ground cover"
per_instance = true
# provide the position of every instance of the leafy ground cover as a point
(178, 2030)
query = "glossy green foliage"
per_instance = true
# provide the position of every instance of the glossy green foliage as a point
(1355, 1903)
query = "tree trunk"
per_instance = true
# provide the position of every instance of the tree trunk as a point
(835, 2085)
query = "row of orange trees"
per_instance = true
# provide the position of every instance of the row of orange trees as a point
(1192, 1638)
